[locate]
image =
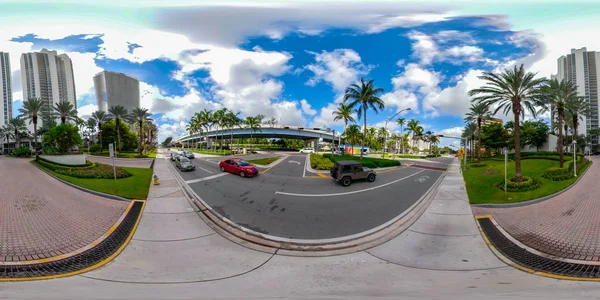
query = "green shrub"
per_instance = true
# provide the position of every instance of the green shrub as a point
(93, 171)
(320, 162)
(559, 174)
(50, 150)
(528, 184)
(95, 148)
(22, 152)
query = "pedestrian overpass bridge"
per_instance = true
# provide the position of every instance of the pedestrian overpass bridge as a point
(276, 131)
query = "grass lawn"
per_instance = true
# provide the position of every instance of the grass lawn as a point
(152, 154)
(134, 187)
(481, 181)
(369, 162)
(263, 161)
(209, 152)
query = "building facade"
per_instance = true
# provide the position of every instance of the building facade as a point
(6, 101)
(581, 67)
(48, 76)
(113, 88)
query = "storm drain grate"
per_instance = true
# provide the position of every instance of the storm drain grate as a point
(534, 261)
(80, 261)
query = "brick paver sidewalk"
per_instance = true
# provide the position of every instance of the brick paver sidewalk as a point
(41, 217)
(567, 225)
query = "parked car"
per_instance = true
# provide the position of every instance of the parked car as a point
(188, 154)
(307, 150)
(174, 156)
(239, 167)
(346, 171)
(184, 164)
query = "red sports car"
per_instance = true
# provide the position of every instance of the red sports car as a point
(238, 166)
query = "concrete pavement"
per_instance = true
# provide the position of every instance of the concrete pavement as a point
(174, 256)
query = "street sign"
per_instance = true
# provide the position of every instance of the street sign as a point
(111, 150)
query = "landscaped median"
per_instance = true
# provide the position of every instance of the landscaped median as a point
(325, 161)
(131, 183)
(210, 152)
(263, 161)
(541, 171)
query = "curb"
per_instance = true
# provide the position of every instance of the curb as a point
(109, 196)
(534, 201)
(294, 247)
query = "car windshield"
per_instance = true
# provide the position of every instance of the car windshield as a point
(184, 160)
(243, 163)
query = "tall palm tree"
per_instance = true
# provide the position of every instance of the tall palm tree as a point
(91, 127)
(433, 140)
(401, 122)
(477, 113)
(353, 135)
(577, 108)
(100, 117)
(31, 110)
(344, 112)
(512, 90)
(220, 118)
(469, 134)
(139, 115)
(413, 127)
(118, 113)
(556, 95)
(17, 127)
(5, 133)
(253, 123)
(232, 120)
(66, 111)
(382, 134)
(362, 97)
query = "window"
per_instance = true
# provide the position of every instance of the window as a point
(347, 169)
(357, 168)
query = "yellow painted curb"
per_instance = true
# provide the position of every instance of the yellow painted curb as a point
(515, 265)
(92, 267)
(273, 166)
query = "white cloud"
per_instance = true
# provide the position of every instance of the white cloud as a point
(426, 49)
(452, 132)
(445, 36)
(423, 47)
(339, 68)
(86, 111)
(325, 117)
(306, 108)
(405, 86)
(453, 100)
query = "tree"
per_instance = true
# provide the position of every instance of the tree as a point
(5, 133)
(17, 127)
(100, 117)
(66, 111)
(576, 107)
(362, 97)
(63, 137)
(167, 141)
(353, 135)
(139, 115)
(494, 136)
(31, 110)
(413, 127)
(512, 90)
(118, 113)
(477, 113)
(253, 123)
(401, 122)
(110, 134)
(535, 133)
(231, 120)
(91, 127)
(556, 95)
(344, 112)
(469, 134)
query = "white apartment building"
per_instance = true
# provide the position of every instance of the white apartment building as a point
(581, 67)
(113, 88)
(48, 76)
(6, 101)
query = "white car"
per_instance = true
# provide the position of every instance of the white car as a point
(307, 150)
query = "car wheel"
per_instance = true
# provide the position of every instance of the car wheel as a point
(371, 178)
(222, 169)
(346, 181)
(242, 174)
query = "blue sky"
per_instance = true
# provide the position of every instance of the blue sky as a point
(293, 63)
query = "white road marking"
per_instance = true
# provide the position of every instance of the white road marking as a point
(201, 168)
(306, 158)
(348, 193)
(293, 162)
(214, 162)
(206, 178)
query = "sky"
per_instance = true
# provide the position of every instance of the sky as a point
(292, 60)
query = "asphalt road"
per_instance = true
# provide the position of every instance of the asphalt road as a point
(283, 204)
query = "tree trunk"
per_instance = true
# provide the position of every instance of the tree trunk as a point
(575, 136)
(478, 140)
(100, 136)
(364, 130)
(517, 132)
(35, 133)
(560, 138)
(141, 138)
(118, 122)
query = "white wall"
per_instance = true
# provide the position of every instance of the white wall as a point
(75, 159)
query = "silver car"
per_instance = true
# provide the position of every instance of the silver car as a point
(188, 154)
(174, 156)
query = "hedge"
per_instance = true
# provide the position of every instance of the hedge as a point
(543, 153)
(559, 174)
(93, 171)
(528, 184)
(318, 162)
(367, 162)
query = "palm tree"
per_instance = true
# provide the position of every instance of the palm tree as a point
(66, 111)
(232, 120)
(477, 113)
(118, 113)
(139, 115)
(353, 135)
(413, 127)
(17, 127)
(382, 133)
(576, 107)
(556, 94)
(433, 139)
(91, 127)
(344, 112)
(362, 97)
(513, 90)
(100, 117)
(31, 110)
(469, 134)
(220, 118)
(253, 123)
(5, 133)
(401, 122)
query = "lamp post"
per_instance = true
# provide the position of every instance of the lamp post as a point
(385, 126)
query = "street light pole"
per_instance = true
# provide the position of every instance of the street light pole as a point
(385, 126)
